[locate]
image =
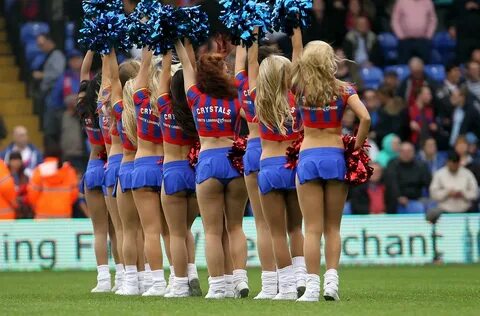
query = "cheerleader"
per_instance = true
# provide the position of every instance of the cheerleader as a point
(251, 162)
(178, 191)
(279, 128)
(114, 153)
(132, 248)
(213, 99)
(321, 168)
(148, 164)
(92, 183)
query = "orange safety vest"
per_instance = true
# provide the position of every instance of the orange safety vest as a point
(52, 191)
(8, 195)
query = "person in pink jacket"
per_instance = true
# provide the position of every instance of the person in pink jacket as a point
(414, 23)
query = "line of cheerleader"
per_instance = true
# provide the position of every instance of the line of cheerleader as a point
(165, 148)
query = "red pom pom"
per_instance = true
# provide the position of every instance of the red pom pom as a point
(193, 154)
(235, 155)
(103, 155)
(358, 170)
(293, 151)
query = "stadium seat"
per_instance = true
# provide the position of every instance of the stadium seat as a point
(389, 44)
(37, 62)
(436, 72)
(402, 71)
(443, 48)
(413, 207)
(31, 51)
(347, 209)
(29, 31)
(70, 29)
(372, 77)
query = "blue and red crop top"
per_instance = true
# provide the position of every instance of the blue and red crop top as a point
(172, 132)
(94, 133)
(213, 117)
(117, 111)
(246, 102)
(148, 121)
(327, 116)
(293, 130)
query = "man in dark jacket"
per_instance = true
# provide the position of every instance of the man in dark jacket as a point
(361, 44)
(406, 178)
(412, 84)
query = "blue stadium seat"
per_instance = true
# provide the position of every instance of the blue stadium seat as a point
(372, 77)
(29, 31)
(347, 209)
(402, 71)
(37, 62)
(413, 207)
(443, 49)
(31, 51)
(70, 29)
(389, 44)
(436, 72)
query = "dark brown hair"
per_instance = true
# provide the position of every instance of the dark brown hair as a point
(212, 79)
(181, 110)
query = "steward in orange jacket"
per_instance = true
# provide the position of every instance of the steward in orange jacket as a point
(8, 195)
(53, 189)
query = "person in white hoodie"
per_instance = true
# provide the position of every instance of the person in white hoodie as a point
(453, 187)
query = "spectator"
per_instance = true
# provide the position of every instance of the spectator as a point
(17, 170)
(52, 68)
(390, 148)
(473, 79)
(472, 146)
(361, 44)
(475, 56)
(328, 22)
(406, 178)
(72, 140)
(466, 159)
(430, 155)
(422, 120)
(412, 84)
(53, 188)
(467, 27)
(7, 193)
(390, 80)
(453, 124)
(453, 187)
(348, 122)
(31, 156)
(3, 129)
(65, 90)
(372, 102)
(348, 71)
(358, 8)
(451, 84)
(414, 23)
(392, 116)
(369, 198)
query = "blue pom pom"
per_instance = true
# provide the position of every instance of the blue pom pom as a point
(290, 14)
(94, 8)
(138, 29)
(162, 29)
(241, 18)
(192, 23)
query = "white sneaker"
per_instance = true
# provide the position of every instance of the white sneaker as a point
(264, 296)
(286, 296)
(309, 296)
(215, 294)
(141, 286)
(178, 292)
(117, 285)
(330, 286)
(103, 286)
(242, 290)
(156, 290)
(129, 290)
(120, 290)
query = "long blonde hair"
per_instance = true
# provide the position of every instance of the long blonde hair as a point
(314, 75)
(129, 116)
(273, 85)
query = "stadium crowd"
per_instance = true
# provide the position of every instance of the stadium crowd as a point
(417, 71)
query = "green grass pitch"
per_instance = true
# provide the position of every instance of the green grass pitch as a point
(418, 290)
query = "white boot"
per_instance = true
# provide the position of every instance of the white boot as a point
(300, 274)
(330, 285)
(229, 286)
(179, 289)
(159, 286)
(269, 286)
(193, 281)
(240, 281)
(216, 287)
(171, 280)
(104, 284)
(119, 277)
(287, 286)
(130, 286)
(312, 292)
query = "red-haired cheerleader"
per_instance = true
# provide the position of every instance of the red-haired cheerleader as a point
(132, 248)
(148, 165)
(114, 153)
(92, 183)
(178, 190)
(321, 166)
(279, 128)
(251, 162)
(213, 99)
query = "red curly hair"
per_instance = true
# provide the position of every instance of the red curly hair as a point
(212, 79)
